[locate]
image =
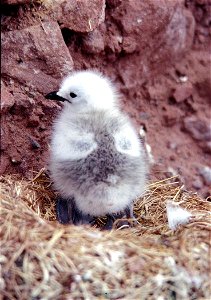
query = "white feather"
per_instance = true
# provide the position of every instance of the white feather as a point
(126, 141)
(176, 215)
(70, 144)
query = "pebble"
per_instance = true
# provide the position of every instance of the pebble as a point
(149, 153)
(87, 276)
(34, 143)
(142, 132)
(33, 121)
(183, 92)
(144, 115)
(198, 129)
(205, 172)
(77, 278)
(42, 127)
(183, 79)
(2, 284)
(206, 146)
(171, 172)
(172, 157)
(197, 183)
(129, 44)
(15, 160)
(172, 145)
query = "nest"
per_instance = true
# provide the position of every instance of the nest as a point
(42, 259)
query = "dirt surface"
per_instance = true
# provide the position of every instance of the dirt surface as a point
(165, 90)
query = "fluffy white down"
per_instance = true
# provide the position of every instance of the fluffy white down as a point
(176, 215)
(89, 86)
(126, 141)
(103, 199)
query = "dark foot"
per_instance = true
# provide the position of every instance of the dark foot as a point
(65, 210)
(120, 219)
(130, 220)
(129, 212)
(62, 211)
(68, 213)
(111, 218)
(109, 223)
(80, 219)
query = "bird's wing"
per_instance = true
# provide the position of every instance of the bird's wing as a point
(127, 142)
(73, 146)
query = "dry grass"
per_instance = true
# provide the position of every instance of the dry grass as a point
(42, 259)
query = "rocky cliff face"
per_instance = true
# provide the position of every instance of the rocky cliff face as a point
(156, 52)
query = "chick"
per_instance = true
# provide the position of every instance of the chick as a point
(98, 164)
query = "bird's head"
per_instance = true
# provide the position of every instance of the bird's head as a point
(85, 91)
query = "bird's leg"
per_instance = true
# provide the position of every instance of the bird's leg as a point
(81, 219)
(68, 213)
(87, 219)
(129, 212)
(111, 218)
(109, 222)
(62, 210)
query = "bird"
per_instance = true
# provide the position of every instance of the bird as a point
(97, 161)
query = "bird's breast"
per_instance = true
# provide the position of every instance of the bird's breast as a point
(104, 161)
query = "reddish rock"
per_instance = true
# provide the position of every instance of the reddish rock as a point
(171, 116)
(201, 2)
(23, 106)
(129, 44)
(113, 3)
(204, 88)
(4, 163)
(139, 13)
(206, 146)
(201, 12)
(182, 92)
(114, 44)
(146, 19)
(36, 56)
(33, 121)
(180, 31)
(4, 135)
(198, 129)
(169, 120)
(80, 16)
(7, 99)
(93, 42)
(172, 145)
(158, 32)
(16, 158)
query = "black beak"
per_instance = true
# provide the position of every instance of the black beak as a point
(54, 96)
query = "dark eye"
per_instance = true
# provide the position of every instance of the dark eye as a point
(73, 95)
